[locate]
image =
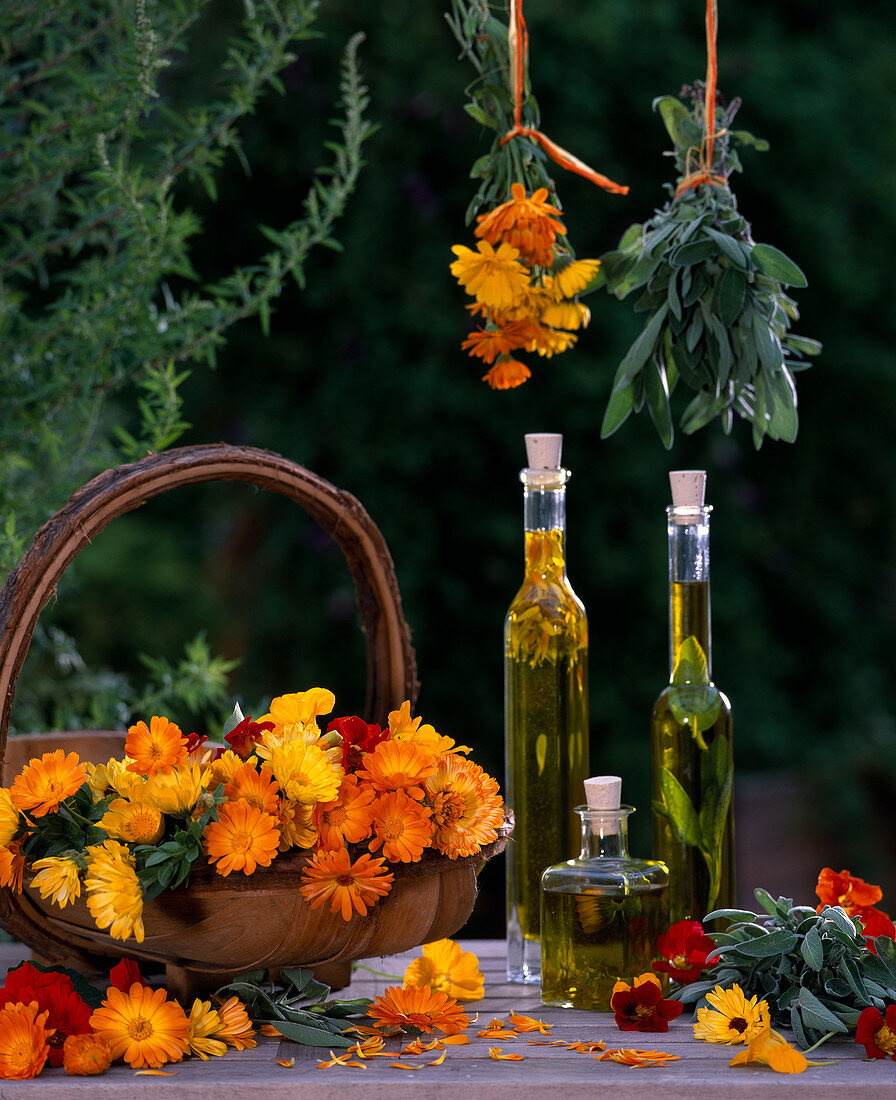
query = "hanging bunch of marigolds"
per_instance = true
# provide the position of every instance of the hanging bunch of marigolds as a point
(522, 274)
(355, 798)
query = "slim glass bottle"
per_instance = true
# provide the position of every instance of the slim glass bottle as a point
(690, 739)
(545, 706)
(602, 913)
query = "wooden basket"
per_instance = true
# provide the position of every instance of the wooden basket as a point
(218, 926)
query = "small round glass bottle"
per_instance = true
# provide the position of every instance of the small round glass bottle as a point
(601, 914)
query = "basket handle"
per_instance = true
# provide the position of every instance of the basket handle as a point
(391, 667)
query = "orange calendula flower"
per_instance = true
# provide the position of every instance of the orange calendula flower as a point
(771, 1049)
(551, 341)
(488, 344)
(86, 1055)
(258, 788)
(226, 767)
(348, 819)
(499, 1056)
(155, 749)
(466, 808)
(242, 839)
(507, 374)
(236, 1028)
(135, 822)
(398, 765)
(421, 1008)
(12, 866)
(445, 967)
(402, 827)
(9, 818)
(332, 877)
(846, 890)
(142, 1026)
(494, 277)
(528, 224)
(46, 782)
(24, 1045)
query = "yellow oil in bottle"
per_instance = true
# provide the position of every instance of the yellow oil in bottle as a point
(546, 736)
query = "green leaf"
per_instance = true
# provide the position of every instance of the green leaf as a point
(679, 809)
(691, 665)
(311, 1036)
(886, 953)
(764, 947)
(730, 291)
(731, 914)
(728, 246)
(676, 118)
(812, 949)
(774, 263)
(619, 408)
(816, 1014)
(694, 252)
(641, 349)
(658, 401)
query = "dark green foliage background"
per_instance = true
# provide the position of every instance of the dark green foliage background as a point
(363, 380)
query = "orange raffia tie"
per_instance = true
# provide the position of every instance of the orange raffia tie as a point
(704, 173)
(518, 43)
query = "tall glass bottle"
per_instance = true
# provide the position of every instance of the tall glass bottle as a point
(545, 706)
(690, 726)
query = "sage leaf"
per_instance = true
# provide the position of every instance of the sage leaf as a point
(814, 1010)
(642, 349)
(774, 263)
(775, 943)
(730, 914)
(812, 950)
(311, 1036)
(680, 809)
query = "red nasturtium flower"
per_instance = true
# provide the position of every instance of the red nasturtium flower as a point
(54, 994)
(875, 922)
(877, 1032)
(845, 890)
(640, 1006)
(242, 737)
(124, 973)
(358, 737)
(684, 950)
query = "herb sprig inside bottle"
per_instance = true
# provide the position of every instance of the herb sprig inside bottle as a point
(717, 315)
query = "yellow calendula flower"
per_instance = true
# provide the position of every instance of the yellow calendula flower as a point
(228, 765)
(137, 822)
(9, 818)
(566, 314)
(402, 727)
(494, 277)
(58, 878)
(204, 1023)
(176, 792)
(298, 828)
(446, 968)
(116, 775)
(305, 773)
(572, 278)
(114, 897)
(732, 1018)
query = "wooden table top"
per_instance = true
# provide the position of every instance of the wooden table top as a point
(469, 1073)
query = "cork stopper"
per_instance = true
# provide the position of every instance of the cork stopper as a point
(688, 493)
(543, 450)
(603, 792)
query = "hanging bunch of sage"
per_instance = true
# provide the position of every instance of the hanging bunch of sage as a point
(815, 971)
(717, 317)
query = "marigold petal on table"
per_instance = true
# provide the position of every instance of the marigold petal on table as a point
(771, 1049)
(499, 1056)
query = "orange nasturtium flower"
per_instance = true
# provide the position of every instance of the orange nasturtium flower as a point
(242, 839)
(46, 782)
(527, 224)
(421, 1008)
(142, 1026)
(446, 968)
(402, 827)
(641, 1006)
(331, 876)
(846, 890)
(155, 748)
(771, 1049)
(876, 1031)
(23, 1041)
(86, 1055)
